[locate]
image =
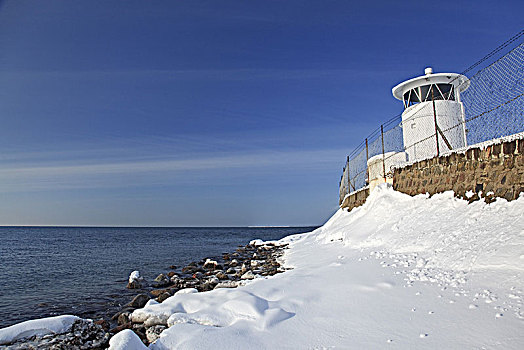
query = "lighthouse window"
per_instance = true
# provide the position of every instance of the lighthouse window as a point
(429, 92)
(446, 92)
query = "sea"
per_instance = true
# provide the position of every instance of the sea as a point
(83, 271)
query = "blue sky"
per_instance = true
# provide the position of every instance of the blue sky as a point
(204, 113)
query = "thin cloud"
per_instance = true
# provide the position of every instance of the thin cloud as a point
(97, 174)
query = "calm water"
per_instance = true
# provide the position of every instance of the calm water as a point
(47, 271)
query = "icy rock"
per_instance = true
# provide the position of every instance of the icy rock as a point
(248, 275)
(227, 284)
(135, 281)
(210, 264)
(39, 327)
(153, 333)
(82, 334)
(134, 276)
(156, 320)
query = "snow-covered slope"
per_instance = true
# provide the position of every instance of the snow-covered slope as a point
(399, 272)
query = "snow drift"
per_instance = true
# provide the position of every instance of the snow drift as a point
(447, 231)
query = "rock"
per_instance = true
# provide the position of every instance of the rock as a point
(222, 276)
(171, 274)
(125, 309)
(102, 323)
(141, 332)
(139, 301)
(176, 280)
(157, 292)
(135, 281)
(134, 285)
(121, 327)
(248, 275)
(190, 269)
(153, 333)
(124, 318)
(230, 271)
(244, 268)
(210, 264)
(206, 286)
(163, 297)
(233, 263)
(83, 334)
(161, 281)
(172, 267)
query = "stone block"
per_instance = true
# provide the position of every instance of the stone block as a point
(496, 150)
(509, 147)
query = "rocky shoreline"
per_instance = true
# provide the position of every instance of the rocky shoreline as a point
(256, 259)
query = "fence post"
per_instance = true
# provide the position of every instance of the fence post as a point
(367, 158)
(435, 118)
(349, 180)
(383, 153)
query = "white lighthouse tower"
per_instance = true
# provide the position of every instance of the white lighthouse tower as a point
(433, 118)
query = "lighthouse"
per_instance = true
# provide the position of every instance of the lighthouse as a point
(433, 119)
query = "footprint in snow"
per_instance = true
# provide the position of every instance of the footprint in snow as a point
(423, 335)
(472, 306)
(499, 315)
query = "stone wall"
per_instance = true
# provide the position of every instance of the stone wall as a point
(355, 199)
(496, 170)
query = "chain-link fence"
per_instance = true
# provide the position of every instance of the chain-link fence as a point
(488, 105)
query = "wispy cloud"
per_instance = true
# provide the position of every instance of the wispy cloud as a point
(103, 174)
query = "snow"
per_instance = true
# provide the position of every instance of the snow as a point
(126, 340)
(256, 242)
(399, 271)
(43, 326)
(134, 276)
